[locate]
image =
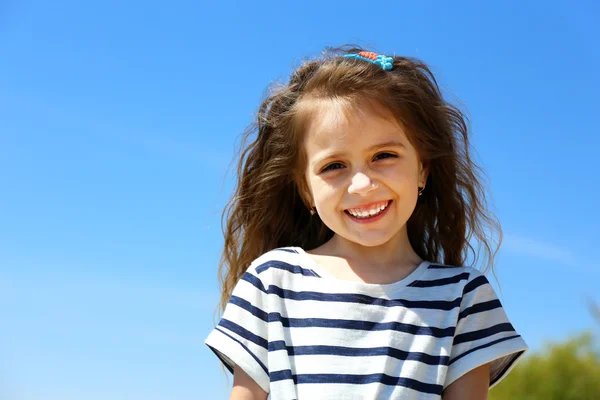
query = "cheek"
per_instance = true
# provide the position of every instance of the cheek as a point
(323, 192)
(314, 187)
(407, 172)
(400, 177)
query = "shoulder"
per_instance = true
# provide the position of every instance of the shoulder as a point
(270, 273)
(455, 278)
(281, 261)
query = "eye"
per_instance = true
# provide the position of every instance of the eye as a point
(332, 167)
(384, 155)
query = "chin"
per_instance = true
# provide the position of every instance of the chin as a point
(369, 240)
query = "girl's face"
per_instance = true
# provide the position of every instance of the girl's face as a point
(363, 174)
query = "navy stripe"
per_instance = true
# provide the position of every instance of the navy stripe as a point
(474, 284)
(257, 283)
(480, 307)
(360, 325)
(294, 269)
(244, 347)
(341, 323)
(483, 346)
(483, 333)
(246, 305)
(246, 334)
(287, 250)
(358, 352)
(364, 299)
(282, 375)
(507, 365)
(442, 281)
(293, 251)
(317, 275)
(445, 305)
(356, 380)
(440, 266)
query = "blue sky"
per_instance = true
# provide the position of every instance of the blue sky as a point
(118, 121)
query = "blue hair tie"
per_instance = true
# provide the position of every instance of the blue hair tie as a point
(386, 63)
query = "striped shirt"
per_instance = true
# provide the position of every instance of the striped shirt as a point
(303, 334)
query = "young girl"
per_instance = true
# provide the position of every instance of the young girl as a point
(357, 206)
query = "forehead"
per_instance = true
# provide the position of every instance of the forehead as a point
(336, 125)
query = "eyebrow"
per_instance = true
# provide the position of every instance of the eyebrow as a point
(389, 143)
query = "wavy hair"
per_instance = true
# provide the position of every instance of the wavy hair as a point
(451, 223)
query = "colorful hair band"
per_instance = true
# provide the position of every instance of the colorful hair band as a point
(386, 63)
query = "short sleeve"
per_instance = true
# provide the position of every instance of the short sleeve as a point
(241, 336)
(483, 333)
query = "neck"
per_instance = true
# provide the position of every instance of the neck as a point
(393, 254)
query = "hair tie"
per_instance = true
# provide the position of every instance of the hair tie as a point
(386, 63)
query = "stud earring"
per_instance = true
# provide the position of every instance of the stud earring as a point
(313, 211)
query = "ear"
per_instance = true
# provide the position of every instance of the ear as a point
(304, 192)
(423, 173)
(308, 200)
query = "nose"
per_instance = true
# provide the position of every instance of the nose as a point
(361, 184)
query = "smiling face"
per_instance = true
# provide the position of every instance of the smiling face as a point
(362, 173)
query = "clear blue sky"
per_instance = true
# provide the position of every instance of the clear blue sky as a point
(118, 121)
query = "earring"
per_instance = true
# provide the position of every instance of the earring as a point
(421, 190)
(313, 211)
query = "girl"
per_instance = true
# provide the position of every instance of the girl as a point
(356, 207)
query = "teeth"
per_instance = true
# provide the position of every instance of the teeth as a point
(369, 213)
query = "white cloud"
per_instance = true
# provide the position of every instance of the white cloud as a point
(539, 249)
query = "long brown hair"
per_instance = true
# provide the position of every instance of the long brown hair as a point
(450, 224)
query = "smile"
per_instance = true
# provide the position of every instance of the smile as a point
(370, 211)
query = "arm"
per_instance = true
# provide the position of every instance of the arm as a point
(473, 385)
(244, 387)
